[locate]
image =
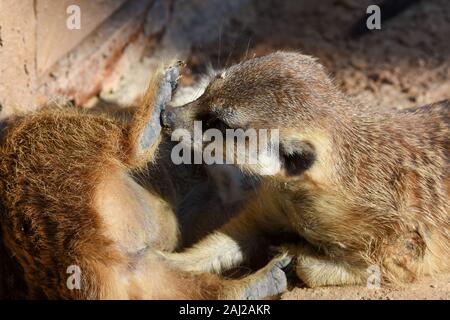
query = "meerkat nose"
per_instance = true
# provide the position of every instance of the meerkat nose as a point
(167, 118)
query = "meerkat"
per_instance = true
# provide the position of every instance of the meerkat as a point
(69, 206)
(364, 189)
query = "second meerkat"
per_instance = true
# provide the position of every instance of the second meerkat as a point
(360, 186)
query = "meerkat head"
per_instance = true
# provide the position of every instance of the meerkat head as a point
(289, 95)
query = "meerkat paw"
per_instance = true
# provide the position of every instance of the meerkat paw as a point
(317, 271)
(146, 126)
(167, 85)
(268, 281)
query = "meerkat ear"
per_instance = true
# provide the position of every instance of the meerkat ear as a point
(296, 157)
(145, 128)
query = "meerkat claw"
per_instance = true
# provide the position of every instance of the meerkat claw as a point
(168, 85)
(269, 281)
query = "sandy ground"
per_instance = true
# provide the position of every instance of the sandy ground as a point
(405, 64)
(437, 288)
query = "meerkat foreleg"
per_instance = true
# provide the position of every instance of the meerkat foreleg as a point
(224, 249)
(268, 281)
(148, 276)
(317, 270)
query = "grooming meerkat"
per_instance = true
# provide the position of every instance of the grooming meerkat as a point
(68, 199)
(360, 186)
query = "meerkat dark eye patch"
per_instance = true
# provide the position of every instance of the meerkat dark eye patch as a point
(296, 157)
(211, 121)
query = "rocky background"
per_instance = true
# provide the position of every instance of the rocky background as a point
(404, 64)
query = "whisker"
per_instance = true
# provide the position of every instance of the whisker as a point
(231, 52)
(220, 45)
(248, 47)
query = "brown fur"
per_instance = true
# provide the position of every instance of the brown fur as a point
(68, 197)
(362, 186)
